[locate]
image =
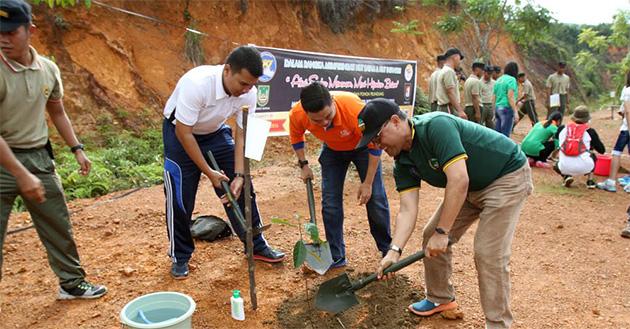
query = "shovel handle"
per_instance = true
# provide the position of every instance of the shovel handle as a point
(311, 199)
(393, 268)
(228, 192)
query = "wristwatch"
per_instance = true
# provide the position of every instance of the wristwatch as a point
(302, 163)
(441, 231)
(239, 174)
(395, 248)
(76, 148)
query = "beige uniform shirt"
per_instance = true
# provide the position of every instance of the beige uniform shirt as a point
(487, 90)
(559, 84)
(433, 85)
(472, 87)
(446, 78)
(528, 91)
(24, 92)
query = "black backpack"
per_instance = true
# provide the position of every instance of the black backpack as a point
(209, 228)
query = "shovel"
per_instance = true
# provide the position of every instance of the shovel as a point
(318, 256)
(233, 201)
(337, 295)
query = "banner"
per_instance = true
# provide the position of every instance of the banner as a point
(286, 72)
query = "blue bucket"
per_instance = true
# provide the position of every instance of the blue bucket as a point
(159, 310)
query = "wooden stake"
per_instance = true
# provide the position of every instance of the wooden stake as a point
(249, 240)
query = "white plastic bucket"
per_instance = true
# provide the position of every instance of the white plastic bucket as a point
(159, 310)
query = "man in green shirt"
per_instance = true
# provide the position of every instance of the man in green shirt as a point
(472, 93)
(527, 102)
(433, 83)
(487, 97)
(558, 83)
(30, 86)
(447, 87)
(485, 176)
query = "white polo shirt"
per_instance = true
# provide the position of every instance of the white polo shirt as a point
(201, 100)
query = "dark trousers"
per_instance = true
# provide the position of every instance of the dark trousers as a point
(334, 167)
(544, 153)
(562, 108)
(434, 106)
(181, 179)
(529, 108)
(446, 108)
(470, 113)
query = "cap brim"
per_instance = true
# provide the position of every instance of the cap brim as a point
(366, 139)
(9, 27)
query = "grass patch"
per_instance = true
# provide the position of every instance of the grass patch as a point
(559, 190)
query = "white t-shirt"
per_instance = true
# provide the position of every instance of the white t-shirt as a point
(575, 165)
(625, 99)
(202, 103)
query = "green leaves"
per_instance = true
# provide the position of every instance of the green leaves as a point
(410, 27)
(299, 253)
(313, 232)
(281, 221)
(63, 3)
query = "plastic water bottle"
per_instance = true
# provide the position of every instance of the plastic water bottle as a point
(238, 307)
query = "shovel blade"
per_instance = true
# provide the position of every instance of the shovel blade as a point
(318, 257)
(336, 295)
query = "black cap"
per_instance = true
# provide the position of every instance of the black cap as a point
(373, 116)
(440, 58)
(489, 68)
(453, 51)
(478, 64)
(13, 14)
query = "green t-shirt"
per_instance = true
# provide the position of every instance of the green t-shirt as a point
(533, 142)
(501, 87)
(441, 139)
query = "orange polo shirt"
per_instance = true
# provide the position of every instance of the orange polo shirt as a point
(343, 135)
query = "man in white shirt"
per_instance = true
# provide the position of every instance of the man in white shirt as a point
(195, 114)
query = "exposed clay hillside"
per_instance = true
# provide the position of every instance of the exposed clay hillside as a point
(120, 68)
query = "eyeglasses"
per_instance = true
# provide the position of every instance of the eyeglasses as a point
(377, 139)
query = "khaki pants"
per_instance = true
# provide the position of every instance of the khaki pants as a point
(487, 115)
(498, 208)
(51, 218)
(470, 113)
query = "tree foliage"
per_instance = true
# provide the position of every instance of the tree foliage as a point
(63, 3)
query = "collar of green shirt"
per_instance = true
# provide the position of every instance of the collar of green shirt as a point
(17, 67)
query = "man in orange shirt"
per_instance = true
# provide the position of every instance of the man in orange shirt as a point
(333, 120)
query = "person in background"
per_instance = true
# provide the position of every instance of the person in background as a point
(623, 141)
(496, 72)
(558, 83)
(472, 93)
(433, 82)
(527, 102)
(505, 92)
(487, 97)
(447, 89)
(577, 141)
(539, 142)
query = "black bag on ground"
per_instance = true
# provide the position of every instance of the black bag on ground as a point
(209, 228)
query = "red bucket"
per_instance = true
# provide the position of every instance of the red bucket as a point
(602, 166)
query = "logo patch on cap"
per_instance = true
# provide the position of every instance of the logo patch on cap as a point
(361, 125)
(4, 14)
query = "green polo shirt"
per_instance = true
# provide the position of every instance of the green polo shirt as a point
(24, 92)
(501, 87)
(440, 139)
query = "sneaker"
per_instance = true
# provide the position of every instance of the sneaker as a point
(623, 181)
(590, 184)
(540, 164)
(426, 307)
(568, 180)
(626, 231)
(179, 271)
(269, 255)
(341, 262)
(627, 188)
(84, 290)
(607, 185)
(531, 161)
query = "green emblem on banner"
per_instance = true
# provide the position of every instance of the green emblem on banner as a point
(263, 95)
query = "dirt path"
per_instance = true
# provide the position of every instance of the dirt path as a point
(570, 268)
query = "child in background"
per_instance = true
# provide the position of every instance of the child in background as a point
(577, 140)
(539, 142)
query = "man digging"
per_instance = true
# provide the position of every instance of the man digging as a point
(485, 176)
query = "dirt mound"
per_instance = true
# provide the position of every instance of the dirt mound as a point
(381, 305)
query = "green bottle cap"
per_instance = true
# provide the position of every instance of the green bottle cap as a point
(236, 294)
